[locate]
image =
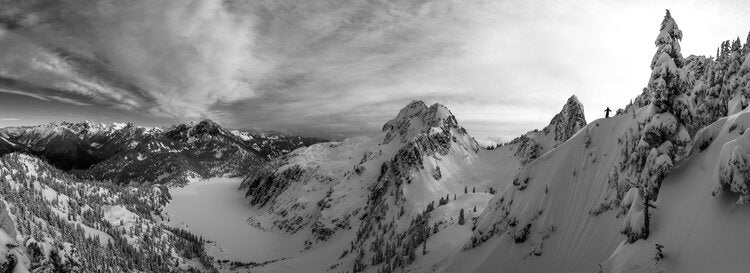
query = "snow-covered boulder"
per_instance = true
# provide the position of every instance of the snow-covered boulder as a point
(634, 225)
(734, 168)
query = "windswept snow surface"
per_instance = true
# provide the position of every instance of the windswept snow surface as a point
(700, 232)
(563, 187)
(214, 209)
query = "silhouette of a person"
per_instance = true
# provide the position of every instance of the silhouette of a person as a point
(606, 112)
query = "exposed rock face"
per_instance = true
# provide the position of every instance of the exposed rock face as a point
(327, 185)
(69, 145)
(566, 123)
(561, 128)
(416, 117)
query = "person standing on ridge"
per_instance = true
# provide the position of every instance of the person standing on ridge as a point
(606, 112)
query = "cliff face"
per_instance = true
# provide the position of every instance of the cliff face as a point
(568, 122)
(562, 127)
(357, 165)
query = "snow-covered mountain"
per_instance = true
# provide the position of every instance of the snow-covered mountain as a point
(53, 222)
(662, 186)
(202, 149)
(125, 153)
(70, 145)
(564, 125)
(658, 188)
(383, 196)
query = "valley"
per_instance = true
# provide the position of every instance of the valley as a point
(216, 210)
(662, 185)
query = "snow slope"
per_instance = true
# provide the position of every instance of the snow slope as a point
(700, 232)
(563, 125)
(416, 176)
(553, 222)
(52, 222)
(544, 223)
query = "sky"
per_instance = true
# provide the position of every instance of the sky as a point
(337, 68)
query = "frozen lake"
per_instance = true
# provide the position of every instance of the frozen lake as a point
(216, 210)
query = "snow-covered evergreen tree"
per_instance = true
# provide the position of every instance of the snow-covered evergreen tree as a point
(666, 76)
(654, 144)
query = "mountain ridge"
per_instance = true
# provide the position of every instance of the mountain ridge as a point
(125, 153)
(422, 155)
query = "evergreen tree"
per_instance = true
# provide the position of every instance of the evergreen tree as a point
(736, 45)
(461, 220)
(666, 77)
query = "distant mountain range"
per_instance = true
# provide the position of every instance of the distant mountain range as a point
(662, 186)
(125, 153)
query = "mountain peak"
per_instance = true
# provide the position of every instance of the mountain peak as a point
(205, 127)
(573, 100)
(414, 108)
(208, 126)
(416, 117)
(569, 120)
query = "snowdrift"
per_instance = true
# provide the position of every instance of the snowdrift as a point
(698, 220)
(546, 222)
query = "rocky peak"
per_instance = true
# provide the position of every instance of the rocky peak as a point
(87, 128)
(207, 126)
(417, 118)
(204, 128)
(570, 119)
(562, 126)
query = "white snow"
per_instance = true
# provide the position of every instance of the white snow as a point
(635, 218)
(9, 247)
(119, 216)
(564, 186)
(119, 125)
(245, 136)
(700, 232)
(133, 144)
(8, 142)
(216, 210)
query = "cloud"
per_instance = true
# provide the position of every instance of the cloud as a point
(349, 68)
(344, 68)
(23, 93)
(168, 57)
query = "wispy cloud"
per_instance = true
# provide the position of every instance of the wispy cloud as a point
(44, 97)
(167, 57)
(24, 93)
(345, 67)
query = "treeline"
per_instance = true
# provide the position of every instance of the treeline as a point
(55, 211)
